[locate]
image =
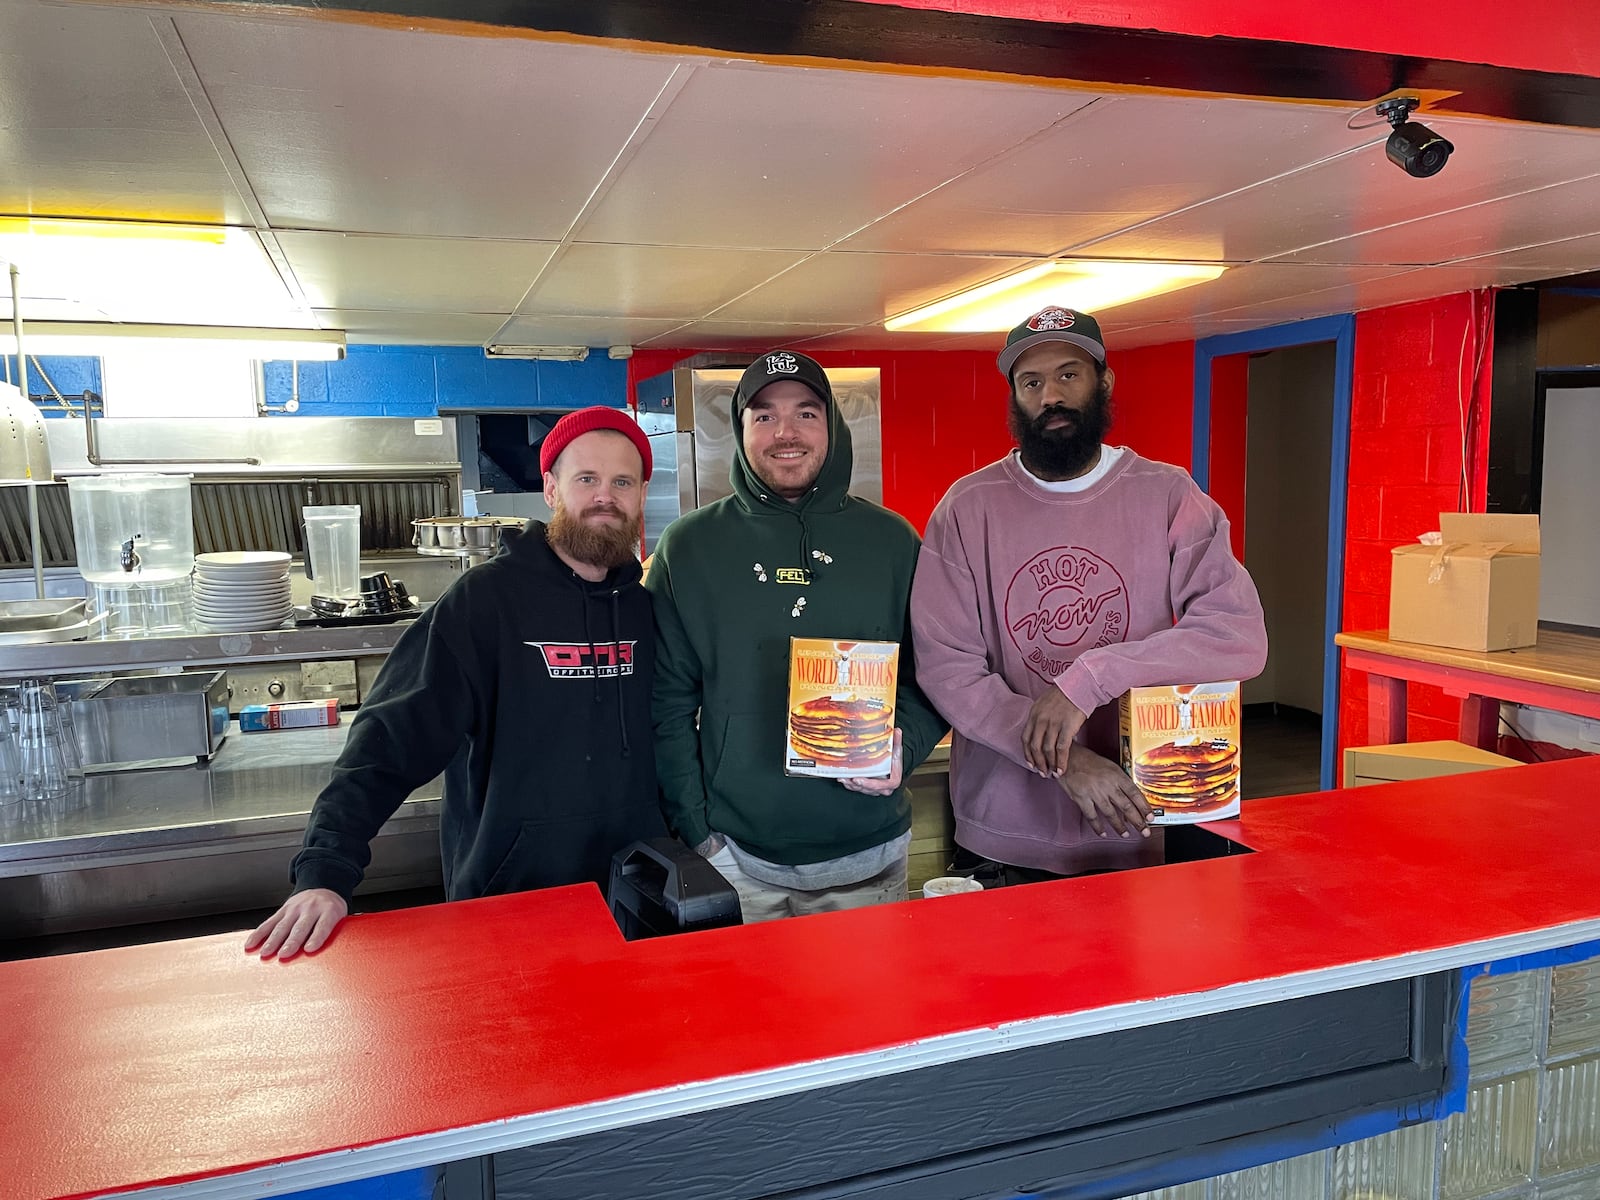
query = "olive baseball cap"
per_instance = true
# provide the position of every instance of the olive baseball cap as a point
(1053, 324)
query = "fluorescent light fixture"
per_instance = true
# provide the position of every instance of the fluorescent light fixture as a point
(1088, 285)
(547, 353)
(147, 271)
(98, 339)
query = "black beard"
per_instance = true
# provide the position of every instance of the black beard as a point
(1066, 452)
(603, 546)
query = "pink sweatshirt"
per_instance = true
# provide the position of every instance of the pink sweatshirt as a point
(1128, 583)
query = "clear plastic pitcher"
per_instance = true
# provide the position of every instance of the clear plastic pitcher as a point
(333, 550)
(45, 760)
(132, 527)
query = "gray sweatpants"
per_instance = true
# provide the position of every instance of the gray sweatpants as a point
(762, 901)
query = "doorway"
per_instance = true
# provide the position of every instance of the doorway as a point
(1288, 452)
(1271, 443)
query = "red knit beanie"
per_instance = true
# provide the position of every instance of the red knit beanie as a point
(587, 420)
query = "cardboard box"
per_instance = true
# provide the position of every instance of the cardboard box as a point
(291, 714)
(1180, 745)
(1367, 765)
(841, 708)
(1477, 591)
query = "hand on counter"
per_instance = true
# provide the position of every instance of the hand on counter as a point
(1053, 722)
(305, 922)
(885, 786)
(1105, 794)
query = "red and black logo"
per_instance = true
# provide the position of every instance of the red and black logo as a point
(580, 660)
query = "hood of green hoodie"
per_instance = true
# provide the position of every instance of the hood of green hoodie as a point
(832, 485)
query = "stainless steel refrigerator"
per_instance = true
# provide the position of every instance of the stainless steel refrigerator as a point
(688, 415)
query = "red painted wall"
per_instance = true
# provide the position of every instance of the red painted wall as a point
(1230, 387)
(1564, 36)
(1414, 371)
(944, 413)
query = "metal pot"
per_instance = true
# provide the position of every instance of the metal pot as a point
(425, 535)
(481, 533)
(448, 531)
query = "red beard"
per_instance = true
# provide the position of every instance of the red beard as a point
(603, 544)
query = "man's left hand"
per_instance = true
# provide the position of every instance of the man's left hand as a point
(1053, 722)
(880, 787)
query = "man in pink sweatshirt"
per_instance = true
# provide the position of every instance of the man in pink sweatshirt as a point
(1048, 584)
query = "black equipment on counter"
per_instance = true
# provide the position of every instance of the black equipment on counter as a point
(660, 886)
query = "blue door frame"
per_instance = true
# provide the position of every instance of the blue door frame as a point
(1341, 331)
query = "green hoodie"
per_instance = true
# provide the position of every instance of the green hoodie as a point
(723, 624)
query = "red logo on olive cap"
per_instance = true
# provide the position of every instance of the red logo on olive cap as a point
(1051, 318)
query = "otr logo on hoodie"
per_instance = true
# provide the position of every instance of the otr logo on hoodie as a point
(580, 660)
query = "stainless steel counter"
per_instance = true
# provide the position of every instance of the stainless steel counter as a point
(193, 840)
(182, 841)
(199, 650)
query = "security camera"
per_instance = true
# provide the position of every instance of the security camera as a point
(1413, 147)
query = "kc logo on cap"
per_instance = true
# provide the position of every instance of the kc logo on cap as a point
(782, 364)
(1051, 318)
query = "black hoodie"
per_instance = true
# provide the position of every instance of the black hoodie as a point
(548, 762)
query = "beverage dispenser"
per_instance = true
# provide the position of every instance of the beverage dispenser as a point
(134, 534)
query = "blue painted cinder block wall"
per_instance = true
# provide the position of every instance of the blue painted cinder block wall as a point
(70, 375)
(402, 381)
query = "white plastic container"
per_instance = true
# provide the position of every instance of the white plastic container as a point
(333, 550)
(132, 527)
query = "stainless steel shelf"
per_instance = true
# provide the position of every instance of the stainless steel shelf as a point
(200, 650)
(193, 840)
(258, 788)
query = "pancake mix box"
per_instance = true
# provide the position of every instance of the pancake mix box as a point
(841, 708)
(1180, 745)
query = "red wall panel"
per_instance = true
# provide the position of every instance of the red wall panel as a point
(1230, 392)
(944, 412)
(1421, 374)
(1565, 37)
(1154, 401)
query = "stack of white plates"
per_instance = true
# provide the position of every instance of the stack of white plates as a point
(241, 591)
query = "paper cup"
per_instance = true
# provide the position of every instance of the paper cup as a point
(950, 885)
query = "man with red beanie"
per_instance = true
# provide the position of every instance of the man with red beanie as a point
(528, 685)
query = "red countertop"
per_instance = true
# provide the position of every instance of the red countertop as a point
(530, 1016)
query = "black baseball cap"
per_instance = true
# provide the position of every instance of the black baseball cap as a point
(1053, 324)
(776, 365)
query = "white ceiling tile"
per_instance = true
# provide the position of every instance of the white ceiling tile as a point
(1250, 284)
(477, 154)
(1567, 256)
(1357, 296)
(717, 334)
(652, 281)
(1360, 193)
(340, 270)
(412, 328)
(582, 331)
(1522, 220)
(342, 126)
(876, 337)
(857, 289)
(93, 122)
(1115, 163)
(788, 157)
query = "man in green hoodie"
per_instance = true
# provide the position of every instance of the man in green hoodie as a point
(789, 554)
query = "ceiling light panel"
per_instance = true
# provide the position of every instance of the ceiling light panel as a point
(149, 272)
(1087, 285)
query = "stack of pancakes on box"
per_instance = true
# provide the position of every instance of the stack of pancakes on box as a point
(837, 732)
(1194, 776)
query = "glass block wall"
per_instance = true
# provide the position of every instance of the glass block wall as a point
(1531, 1130)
